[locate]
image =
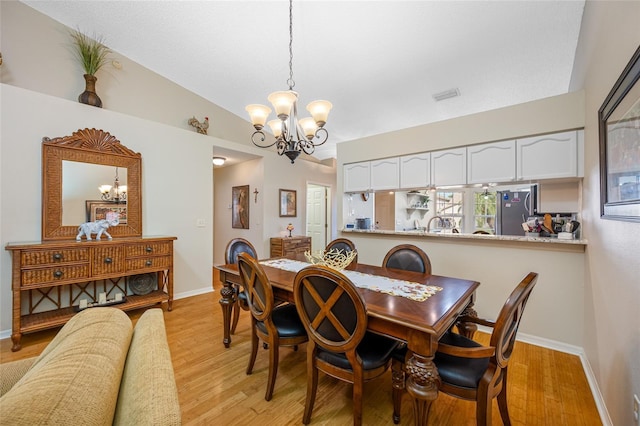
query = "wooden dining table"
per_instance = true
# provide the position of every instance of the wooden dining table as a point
(419, 324)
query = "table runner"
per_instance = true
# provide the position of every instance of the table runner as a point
(411, 290)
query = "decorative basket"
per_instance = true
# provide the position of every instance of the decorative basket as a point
(334, 258)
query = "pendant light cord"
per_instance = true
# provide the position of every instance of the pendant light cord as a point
(290, 81)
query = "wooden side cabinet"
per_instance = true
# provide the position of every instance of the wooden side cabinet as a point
(290, 246)
(49, 279)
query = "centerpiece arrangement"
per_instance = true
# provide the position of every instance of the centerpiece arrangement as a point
(334, 258)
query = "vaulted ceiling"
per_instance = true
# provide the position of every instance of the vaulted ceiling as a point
(378, 62)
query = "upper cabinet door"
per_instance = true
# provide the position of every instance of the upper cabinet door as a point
(415, 171)
(491, 162)
(385, 174)
(357, 177)
(548, 156)
(449, 167)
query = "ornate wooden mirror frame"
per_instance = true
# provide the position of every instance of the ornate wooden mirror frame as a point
(94, 147)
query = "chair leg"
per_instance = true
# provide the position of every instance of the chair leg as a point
(312, 386)
(483, 407)
(358, 385)
(502, 401)
(254, 347)
(397, 385)
(274, 354)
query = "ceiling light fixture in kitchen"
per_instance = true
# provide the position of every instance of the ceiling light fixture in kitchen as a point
(293, 136)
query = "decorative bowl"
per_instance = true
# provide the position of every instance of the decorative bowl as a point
(334, 258)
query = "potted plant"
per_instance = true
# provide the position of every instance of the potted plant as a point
(93, 54)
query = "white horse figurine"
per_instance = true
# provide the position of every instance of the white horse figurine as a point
(98, 227)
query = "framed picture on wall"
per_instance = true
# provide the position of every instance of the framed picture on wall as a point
(240, 207)
(288, 203)
(98, 209)
(619, 125)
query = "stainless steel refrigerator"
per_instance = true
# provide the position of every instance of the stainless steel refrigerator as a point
(514, 208)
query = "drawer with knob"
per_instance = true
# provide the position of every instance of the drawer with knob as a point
(107, 260)
(148, 249)
(54, 256)
(142, 264)
(38, 276)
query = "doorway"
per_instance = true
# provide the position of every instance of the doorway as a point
(318, 218)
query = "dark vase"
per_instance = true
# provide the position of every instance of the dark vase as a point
(89, 96)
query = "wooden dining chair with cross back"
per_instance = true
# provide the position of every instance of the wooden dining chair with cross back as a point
(335, 317)
(407, 257)
(346, 246)
(276, 326)
(231, 252)
(471, 371)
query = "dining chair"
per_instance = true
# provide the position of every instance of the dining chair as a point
(471, 371)
(231, 252)
(335, 318)
(407, 257)
(345, 245)
(276, 326)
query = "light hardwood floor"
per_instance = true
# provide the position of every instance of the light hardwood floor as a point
(545, 387)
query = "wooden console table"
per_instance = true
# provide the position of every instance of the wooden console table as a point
(50, 278)
(289, 246)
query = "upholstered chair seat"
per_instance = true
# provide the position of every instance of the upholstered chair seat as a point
(286, 320)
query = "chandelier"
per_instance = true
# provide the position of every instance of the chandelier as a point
(292, 135)
(116, 192)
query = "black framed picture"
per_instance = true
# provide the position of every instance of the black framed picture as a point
(619, 126)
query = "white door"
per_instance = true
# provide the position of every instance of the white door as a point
(317, 225)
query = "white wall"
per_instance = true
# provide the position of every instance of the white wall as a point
(609, 36)
(176, 179)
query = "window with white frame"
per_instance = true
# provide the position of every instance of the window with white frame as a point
(450, 207)
(484, 216)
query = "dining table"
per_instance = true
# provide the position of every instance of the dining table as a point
(412, 307)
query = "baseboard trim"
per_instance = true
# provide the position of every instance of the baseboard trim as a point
(605, 418)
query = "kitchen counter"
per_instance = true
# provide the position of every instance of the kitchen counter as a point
(477, 237)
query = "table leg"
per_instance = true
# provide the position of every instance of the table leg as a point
(227, 301)
(423, 382)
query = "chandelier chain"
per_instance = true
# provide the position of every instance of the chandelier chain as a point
(290, 81)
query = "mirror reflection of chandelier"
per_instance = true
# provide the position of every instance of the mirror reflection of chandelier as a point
(292, 135)
(116, 193)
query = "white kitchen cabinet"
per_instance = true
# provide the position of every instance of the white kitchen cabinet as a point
(449, 167)
(415, 171)
(357, 177)
(491, 162)
(385, 174)
(548, 156)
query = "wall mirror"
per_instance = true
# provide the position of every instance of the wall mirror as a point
(73, 167)
(619, 119)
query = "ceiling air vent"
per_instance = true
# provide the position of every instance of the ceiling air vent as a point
(451, 93)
